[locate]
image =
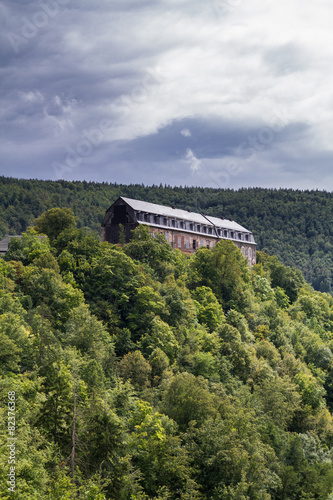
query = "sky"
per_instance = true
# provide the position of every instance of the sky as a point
(218, 93)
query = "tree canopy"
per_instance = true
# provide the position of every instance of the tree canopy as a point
(141, 373)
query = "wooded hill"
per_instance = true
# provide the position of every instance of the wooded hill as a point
(296, 226)
(142, 373)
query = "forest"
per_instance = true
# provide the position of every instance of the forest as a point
(296, 226)
(138, 372)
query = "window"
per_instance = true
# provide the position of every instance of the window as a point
(165, 221)
(207, 243)
(139, 216)
(179, 241)
(166, 234)
(201, 243)
(204, 229)
(187, 243)
(173, 223)
(225, 233)
(181, 224)
(239, 236)
(210, 230)
(246, 237)
(146, 217)
(156, 219)
(191, 227)
(198, 228)
(194, 244)
(231, 234)
(219, 231)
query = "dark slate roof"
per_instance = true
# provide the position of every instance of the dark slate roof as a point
(207, 220)
(5, 242)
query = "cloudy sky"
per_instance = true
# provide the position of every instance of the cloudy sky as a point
(220, 93)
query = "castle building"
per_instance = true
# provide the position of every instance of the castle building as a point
(183, 229)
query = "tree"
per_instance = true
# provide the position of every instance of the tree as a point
(135, 368)
(54, 221)
(159, 454)
(156, 252)
(28, 248)
(209, 311)
(224, 270)
(187, 398)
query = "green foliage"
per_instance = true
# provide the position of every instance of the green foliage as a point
(54, 221)
(136, 369)
(155, 252)
(224, 270)
(159, 454)
(30, 247)
(187, 398)
(141, 373)
(209, 311)
(288, 279)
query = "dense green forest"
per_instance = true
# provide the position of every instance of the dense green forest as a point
(142, 373)
(296, 226)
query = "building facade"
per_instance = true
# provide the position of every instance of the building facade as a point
(183, 229)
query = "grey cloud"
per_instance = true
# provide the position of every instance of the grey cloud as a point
(69, 76)
(286, 59)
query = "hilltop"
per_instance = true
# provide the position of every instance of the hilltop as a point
(294, 225)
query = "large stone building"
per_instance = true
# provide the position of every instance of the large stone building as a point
(183, 229)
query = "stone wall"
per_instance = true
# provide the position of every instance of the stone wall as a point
(189, 243)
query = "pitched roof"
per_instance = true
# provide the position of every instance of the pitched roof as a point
(144, 206)
(5, 242)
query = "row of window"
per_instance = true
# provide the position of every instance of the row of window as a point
(190, 244)
(190, 226)
(193, 244)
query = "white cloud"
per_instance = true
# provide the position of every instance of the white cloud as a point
(186, 132)
(195, 164)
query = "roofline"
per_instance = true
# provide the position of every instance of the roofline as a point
(206, 217)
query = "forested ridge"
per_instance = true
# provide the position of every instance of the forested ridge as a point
(142, 373)
(294, 225)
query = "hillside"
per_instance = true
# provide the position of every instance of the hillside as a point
(296, 226)
(141, 373)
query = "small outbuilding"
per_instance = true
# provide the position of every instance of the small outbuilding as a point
(5, 242)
